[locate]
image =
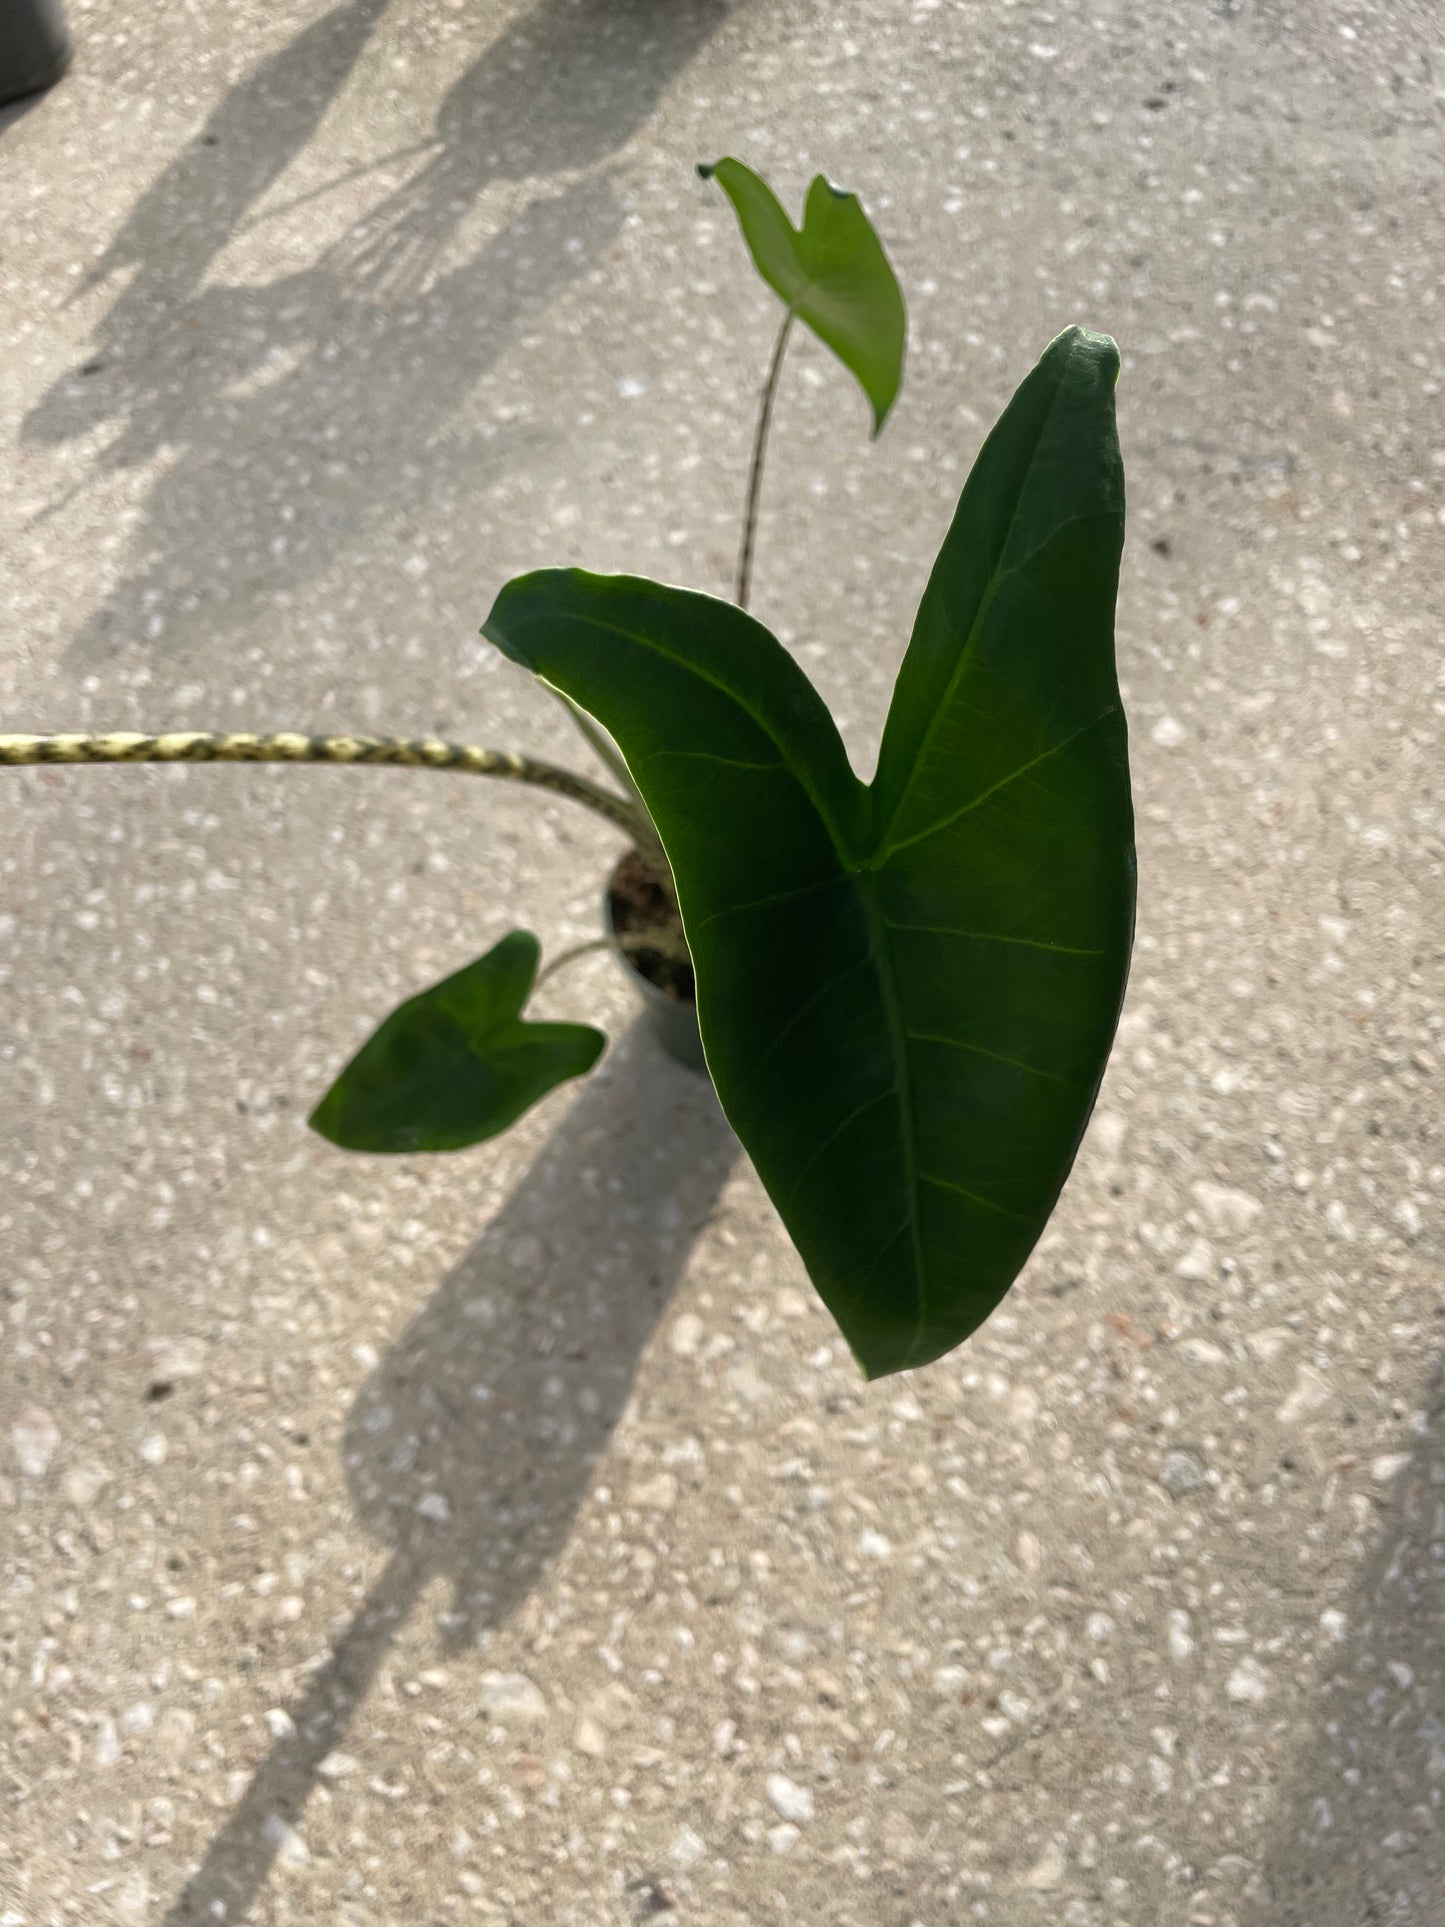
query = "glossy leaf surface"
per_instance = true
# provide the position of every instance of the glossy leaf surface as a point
(907, 991)
(831, 273)
(457, 1063)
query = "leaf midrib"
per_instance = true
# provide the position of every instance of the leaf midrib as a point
(811, 286)
(903, 1088)
(877, 924)
(997, 576)
(796, 236)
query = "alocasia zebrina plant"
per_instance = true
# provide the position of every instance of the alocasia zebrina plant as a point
(907, 990)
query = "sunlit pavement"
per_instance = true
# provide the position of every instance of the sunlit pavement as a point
(509, 1537)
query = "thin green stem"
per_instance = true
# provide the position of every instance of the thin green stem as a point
(662, 941)
(607, 753)
(598, 741)
(564, 957)
(755, 476)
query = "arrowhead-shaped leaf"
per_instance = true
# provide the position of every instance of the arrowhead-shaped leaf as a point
(907, 992)
(457, 1063)
(832, 273)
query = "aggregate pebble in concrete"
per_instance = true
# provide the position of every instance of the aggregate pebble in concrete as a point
(509, 1538)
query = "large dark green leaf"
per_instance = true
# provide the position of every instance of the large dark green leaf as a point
(907, 992)
(831, 273)
(457, 1063)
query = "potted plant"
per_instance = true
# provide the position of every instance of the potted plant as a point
(905, 991)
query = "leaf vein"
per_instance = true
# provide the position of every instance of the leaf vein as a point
(908, 1129)
(707, 756)
(861, 1110)
(984, 796)
(805, 778)
(824, 989)
(974, 1197)
(996, 575)
(997, 1057)
(759, 903)
(991, 936)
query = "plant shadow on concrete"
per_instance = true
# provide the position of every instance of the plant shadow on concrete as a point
(306, 416)
(1361, 1838)
(473, 1443)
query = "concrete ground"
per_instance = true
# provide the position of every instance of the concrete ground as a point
(508, 1537)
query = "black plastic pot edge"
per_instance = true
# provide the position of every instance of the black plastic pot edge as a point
(674, 1024)
(35, 47)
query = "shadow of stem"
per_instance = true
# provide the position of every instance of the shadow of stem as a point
(473, 1443)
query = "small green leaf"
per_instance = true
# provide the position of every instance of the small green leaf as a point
(457, 1063)
(907, 991)
(832, 274)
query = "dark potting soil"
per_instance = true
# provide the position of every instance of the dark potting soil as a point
(638, 903)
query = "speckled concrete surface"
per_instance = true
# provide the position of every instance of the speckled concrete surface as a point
(509, 1538)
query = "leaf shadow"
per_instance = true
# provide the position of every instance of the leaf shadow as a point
(301, 417)
(473, 1443)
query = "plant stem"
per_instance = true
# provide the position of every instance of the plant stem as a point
(598, 742)
(564, 957)
(607, 753)
(755, 477)
(661, 940)
(197, 746)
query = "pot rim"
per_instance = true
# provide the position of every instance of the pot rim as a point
(654, 993)
(673, 1021)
